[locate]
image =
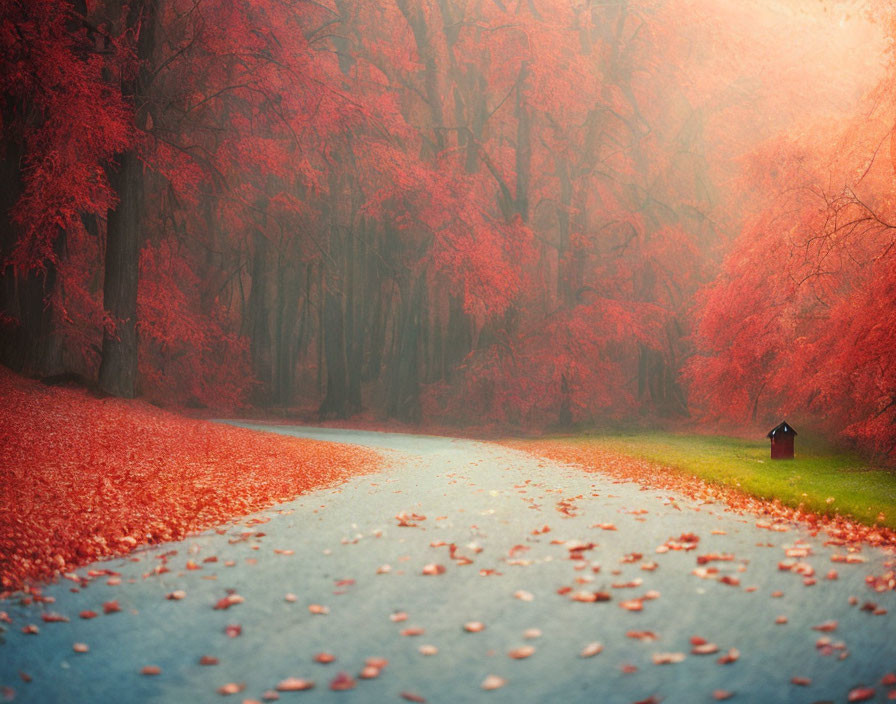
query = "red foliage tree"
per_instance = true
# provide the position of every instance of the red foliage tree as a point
(797, 325)
(54, 151)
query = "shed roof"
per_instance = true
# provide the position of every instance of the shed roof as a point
(782, 427)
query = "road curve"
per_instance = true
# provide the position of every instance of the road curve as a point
(344, 550)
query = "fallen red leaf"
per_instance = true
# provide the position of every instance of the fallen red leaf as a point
(294, 684)
(705, 649)
(731, 656)
(590, 650)
(493, 682)
(228, 601)
(667, 658)
(342, 682)
(826, 627)
(231, 688)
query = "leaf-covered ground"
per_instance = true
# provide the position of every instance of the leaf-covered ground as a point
(469, 572)
(83, 478)
(602, 457)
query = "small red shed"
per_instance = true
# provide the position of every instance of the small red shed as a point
(782, 436)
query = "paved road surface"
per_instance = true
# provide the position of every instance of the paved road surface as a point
(343, 549)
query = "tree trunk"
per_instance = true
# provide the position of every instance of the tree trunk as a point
(335, 403)
(321, 324)
(354, 348)
(523, 145)
(258, 317)
(377, 316)
(431, 50)
(459, 338)
(286, 336)
(118, 368)
(565, 291)
(404, 391)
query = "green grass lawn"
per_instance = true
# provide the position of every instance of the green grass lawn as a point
(817, 473)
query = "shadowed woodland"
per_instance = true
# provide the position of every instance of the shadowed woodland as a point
(525, 213)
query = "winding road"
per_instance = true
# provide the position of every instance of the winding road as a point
(671, 600)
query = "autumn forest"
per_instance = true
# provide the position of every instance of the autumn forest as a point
(508, 213)
(429, 349)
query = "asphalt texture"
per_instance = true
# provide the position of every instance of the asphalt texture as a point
(342, 552)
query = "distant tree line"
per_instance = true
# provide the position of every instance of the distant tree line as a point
(472, 212)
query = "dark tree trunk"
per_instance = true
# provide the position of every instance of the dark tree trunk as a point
(118, 368)
(377, 317)
(258, 317)
(643, 368)
(335, 403)
(523, 145)
(404, 383)
(13, 341)
(459, 339)
(564, 415)
(305, 323)
(425, 38)
(565, 290)
(27, 341)
(354, 346)
(478, 118)
(29, 344)
(435, 365)
(286, 337)
(321, 319)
